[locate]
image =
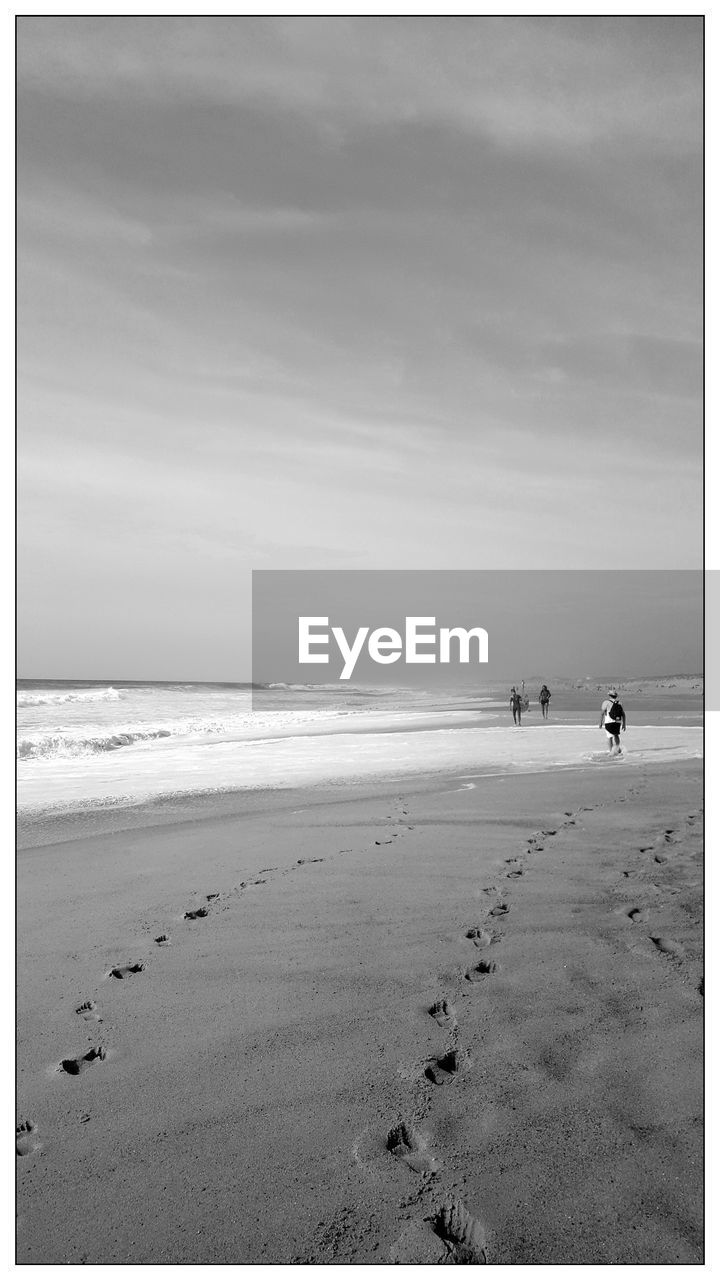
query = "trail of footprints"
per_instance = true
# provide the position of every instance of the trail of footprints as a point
(464, 1237)
(26, 1141)
(661, 850)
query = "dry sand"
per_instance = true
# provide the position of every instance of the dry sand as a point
(272, 1087)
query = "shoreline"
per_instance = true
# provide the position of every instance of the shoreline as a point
(230, 766)
(257, 1066)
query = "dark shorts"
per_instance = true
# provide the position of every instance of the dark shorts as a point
(613, 727)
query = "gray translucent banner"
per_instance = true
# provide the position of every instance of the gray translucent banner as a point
(361, 627)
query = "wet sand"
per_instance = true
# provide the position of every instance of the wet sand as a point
(271, 1086)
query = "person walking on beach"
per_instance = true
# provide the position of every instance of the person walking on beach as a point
(612, 720)
(516, 705)
(545, 696)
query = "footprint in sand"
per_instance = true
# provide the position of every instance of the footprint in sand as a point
(200, 912)
(463, 1235)
(384, 841)
(501, 909)
(210, 897)
(638, 915)
(443, 1070)
(408, 1145)
(73, 1066)
(481, 970)
(479, 937)
(26, 1138)
(660, 857)
(645, 848)
(669, 947)
(125, 970)
(301, 861)
(88, 1011)
(513, 875)
(443, 1012)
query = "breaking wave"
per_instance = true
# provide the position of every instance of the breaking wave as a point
(88, 740)
(77, 695)
(49, 745)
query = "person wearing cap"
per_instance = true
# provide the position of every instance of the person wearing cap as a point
(612, 720)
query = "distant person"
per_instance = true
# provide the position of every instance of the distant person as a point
(612, 720)
(516, 705)
(545, 697)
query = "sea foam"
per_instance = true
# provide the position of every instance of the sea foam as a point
(48, 699)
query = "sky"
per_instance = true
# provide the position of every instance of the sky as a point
(345, 293)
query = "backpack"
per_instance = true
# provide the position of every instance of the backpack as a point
(616, 711)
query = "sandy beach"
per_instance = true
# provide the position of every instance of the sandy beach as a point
(412, 1022)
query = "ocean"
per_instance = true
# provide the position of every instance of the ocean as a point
(61, 719)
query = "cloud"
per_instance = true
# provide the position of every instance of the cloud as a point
(568, 81)
(363, 291)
